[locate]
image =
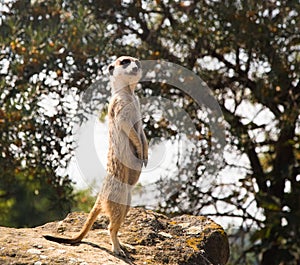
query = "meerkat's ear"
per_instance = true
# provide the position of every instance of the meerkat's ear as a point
(111, 69)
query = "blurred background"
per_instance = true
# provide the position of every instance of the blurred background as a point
(53, 53)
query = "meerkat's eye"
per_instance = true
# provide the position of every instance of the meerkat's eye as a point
(125, 62)
(111, 69)
(138, 64)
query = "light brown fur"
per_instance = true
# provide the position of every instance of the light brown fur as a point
(128, 151)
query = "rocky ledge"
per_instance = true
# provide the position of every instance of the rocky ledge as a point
(149, 238)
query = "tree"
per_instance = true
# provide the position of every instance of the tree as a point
(253, 51)
(248, 54)
(41, 61)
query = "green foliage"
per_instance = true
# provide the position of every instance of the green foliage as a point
(84, 200)
(246, 51)
(47, 57)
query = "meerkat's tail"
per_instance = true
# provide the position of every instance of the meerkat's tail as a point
(86, 227)
(62, 239)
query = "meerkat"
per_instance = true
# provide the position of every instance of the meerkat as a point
(128, 152)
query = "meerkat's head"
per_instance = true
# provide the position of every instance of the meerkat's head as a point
(125, 71)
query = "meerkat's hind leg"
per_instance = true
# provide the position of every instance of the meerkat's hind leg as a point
(116, 245)
(117, 213)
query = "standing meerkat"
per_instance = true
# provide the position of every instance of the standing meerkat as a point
(128, 152)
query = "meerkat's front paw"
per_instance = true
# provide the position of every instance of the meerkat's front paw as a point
(139, 154)
(145, 149)
(145, 162)
(145, 159)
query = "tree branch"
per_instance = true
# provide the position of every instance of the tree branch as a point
(241, 132)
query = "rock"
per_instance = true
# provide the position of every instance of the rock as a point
(149, 238)
(34, 251)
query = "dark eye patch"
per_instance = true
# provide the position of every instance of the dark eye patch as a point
(111, 69)
(138, 64)
(125, 62)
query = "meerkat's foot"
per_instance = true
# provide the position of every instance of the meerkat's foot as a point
(117, 248)
(119, 251)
